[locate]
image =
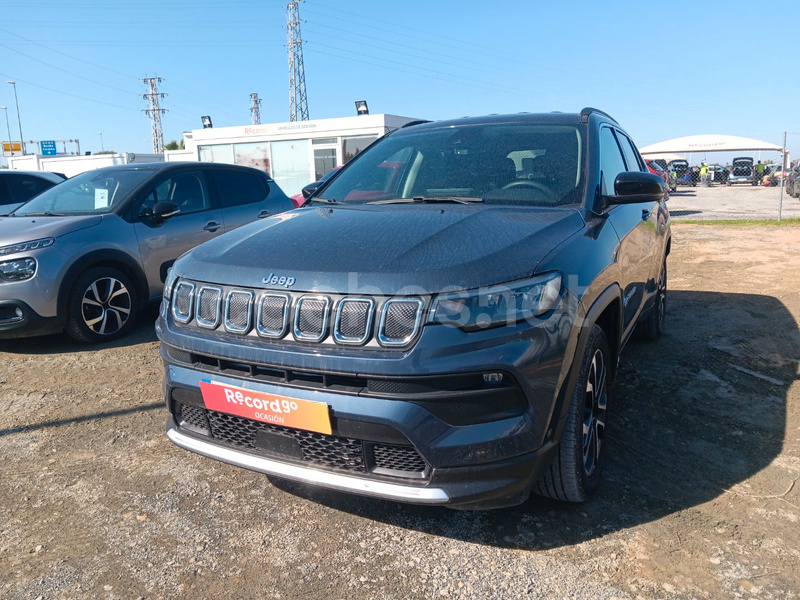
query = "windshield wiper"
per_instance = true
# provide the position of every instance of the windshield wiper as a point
(41, 214)
(325, 200)
(430, 200)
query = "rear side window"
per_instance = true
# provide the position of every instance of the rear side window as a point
(237, 187)
(24, 187)
(630, 154)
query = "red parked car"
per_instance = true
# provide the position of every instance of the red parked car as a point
(657, 169)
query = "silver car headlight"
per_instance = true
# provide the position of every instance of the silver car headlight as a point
(26, 246)
(19, 269)
(499, 304)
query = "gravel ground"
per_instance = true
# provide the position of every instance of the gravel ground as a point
(699, 498)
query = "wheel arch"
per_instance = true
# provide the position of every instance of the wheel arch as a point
(103, 258)
(606, 312)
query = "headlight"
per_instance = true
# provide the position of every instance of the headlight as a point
(498, 305)
(17, 270)
(25, 246)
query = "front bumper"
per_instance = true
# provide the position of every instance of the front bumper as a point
(18, 319)
(482, 463)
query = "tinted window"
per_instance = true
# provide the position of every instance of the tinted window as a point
(611, 162)
(5, 197)
(515, 163)
(237, 187)
(631, 156)
(25, 187)
(187, 189)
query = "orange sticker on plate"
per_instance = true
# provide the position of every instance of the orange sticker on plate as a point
(269, 408)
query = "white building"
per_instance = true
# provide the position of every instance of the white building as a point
(294, 153)
(73, 165)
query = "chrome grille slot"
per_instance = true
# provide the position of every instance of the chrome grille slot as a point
(273, 315)
(311, 318)
(182, 302)
(238, 308)
(400, 320)
(209, 301)
(353, 320)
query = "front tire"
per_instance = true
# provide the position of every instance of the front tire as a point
(574, 473)
(102, 306)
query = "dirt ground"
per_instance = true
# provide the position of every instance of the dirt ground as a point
(700, 497)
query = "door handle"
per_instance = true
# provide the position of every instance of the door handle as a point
(264, 213)
(212, 226)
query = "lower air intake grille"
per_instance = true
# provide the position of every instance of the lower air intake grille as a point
(330, 451)
(398, 458)
(327, 450)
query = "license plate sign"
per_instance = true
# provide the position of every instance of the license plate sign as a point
(268, 408)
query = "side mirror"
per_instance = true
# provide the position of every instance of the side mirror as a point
(165, 210)
(631, 187)
(309, 189)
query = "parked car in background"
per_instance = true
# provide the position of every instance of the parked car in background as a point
(84, 256)
(449, 332)
(719, 173)
(17, 187)
(742, 171)
(793, 182)
(776, 175)
(669, 177)
(684, 174)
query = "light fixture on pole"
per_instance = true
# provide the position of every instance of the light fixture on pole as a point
(19, 120)
(361, 107)
(102, 148)
(8, 128)
(206, 122)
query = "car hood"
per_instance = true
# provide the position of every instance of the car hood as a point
(14, 230)
(384, 249)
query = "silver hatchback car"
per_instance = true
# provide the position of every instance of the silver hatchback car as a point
(84, 256)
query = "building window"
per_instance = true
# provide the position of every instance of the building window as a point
(353, 145)
(253, 154)
(220, 153)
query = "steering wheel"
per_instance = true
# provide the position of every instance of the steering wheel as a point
(546, 191)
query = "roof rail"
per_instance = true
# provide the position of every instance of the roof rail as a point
(417, 122)
(589, 110)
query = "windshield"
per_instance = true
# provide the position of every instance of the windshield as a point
(91, 192)
(538, 165)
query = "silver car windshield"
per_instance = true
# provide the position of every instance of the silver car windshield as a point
(514, 163)
(93, 192)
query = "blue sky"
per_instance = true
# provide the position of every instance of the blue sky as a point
(663, 70)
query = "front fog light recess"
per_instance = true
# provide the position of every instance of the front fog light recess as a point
(17, 270)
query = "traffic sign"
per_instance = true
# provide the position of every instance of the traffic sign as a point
(48, 147)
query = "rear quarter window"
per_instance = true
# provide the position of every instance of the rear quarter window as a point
(236, 187)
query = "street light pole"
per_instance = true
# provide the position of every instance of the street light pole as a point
(19, 120)
(102, 148)
(8, 128)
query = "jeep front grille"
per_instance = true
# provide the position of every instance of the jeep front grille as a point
(307, 318)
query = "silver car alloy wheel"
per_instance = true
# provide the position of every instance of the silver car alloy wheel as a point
(106, 306)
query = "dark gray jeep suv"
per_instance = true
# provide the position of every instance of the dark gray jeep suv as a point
(440, 322)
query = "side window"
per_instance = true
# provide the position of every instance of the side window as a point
(5, 196)
(611, 162)
(238, 187)
(187, 189)
(631, 156)
(24, 187)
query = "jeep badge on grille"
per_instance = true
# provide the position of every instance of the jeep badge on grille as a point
(273, 279)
